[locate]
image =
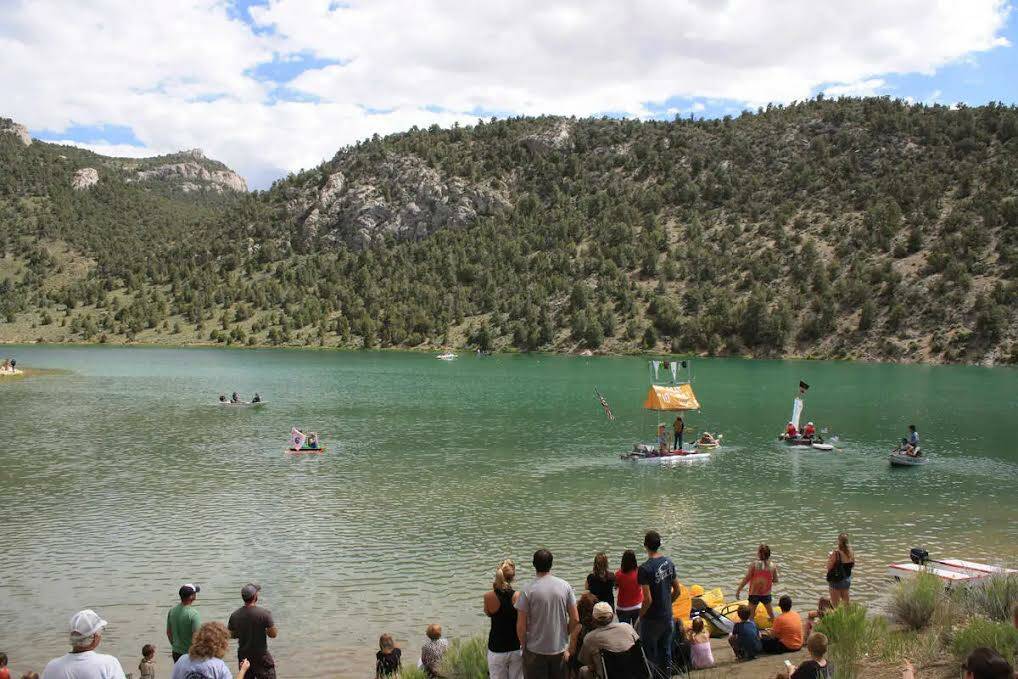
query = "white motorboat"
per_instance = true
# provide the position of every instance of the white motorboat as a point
(950, 571)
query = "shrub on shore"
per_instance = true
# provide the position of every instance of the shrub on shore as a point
(914, 602)
(1001, 637)
(852, 635)
(466, 659)
(993, 598)
(412, 673)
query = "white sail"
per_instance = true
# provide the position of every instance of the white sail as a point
(796, 412)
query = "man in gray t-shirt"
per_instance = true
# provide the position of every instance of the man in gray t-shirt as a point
(548, 622)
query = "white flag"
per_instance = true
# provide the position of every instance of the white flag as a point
(297, 438)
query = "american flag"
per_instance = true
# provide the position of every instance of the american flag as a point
(604, 404)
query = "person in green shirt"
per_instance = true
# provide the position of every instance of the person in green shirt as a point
(183, 621)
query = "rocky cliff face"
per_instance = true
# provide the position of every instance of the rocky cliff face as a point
(401, 196)
(191, 174)
(8, 126)
(84, 179)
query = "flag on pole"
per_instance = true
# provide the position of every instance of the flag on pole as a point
(604, 404)
(803, 387)
(297, 438)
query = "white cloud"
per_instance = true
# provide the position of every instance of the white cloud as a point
(152, 66)
(860, 88)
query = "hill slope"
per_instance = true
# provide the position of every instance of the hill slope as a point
(852, 228)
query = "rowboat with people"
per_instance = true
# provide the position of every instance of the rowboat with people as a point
(903, 458)
(950, 571)
(806, 436)
(236, 402)
(448, 356)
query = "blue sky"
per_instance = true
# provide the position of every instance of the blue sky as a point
(275, 87)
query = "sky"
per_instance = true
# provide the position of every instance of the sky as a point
(276, 86)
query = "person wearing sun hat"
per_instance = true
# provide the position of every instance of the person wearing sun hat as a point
(83, 662)
(183, 621)
(608, 634)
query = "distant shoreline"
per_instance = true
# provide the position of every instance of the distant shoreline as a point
(866, 360)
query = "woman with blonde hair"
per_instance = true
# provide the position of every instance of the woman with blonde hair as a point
(840, 563)
(204, 660)
(505, 659)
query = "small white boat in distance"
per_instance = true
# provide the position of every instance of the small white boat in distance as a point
(950, 571)
(448, 356)
(242, 404)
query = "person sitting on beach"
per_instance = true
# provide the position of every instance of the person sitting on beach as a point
(785, 636)
(204, 660)
(699, 645)
(433, 650)
(606, 635)
(387, 659)
(745, 636)
(585, 609)
(790, 431)
(86, 635)
(809, 431)
(817, 666)
(824, 606)
(986, 663)
(601, 581)
(761, 576)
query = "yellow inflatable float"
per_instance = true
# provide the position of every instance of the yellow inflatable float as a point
(682, 608)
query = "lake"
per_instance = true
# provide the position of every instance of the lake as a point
(122, 479)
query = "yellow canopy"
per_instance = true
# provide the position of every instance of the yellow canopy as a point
(679, 397)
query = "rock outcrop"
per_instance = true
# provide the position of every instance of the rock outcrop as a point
(8, 126)
(403, 197)
(195, 176)
(558, 137)
(84, 179)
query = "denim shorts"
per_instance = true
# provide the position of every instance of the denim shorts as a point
(842, 585)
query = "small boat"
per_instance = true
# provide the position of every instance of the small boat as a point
(709, 445)
(305, 451)
(242, 404)
(950, 571)
(899, 458)
(448, 356)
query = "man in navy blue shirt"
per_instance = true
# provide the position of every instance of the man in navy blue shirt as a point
(660, 588)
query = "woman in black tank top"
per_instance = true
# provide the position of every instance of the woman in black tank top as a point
(505, 660)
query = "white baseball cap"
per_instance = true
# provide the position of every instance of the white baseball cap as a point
(86, 623)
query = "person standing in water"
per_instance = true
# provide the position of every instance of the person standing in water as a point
(761, 576)
(840, 563)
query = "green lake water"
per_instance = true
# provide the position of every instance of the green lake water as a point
(122, 479)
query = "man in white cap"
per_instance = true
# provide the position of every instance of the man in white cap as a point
(183, 621)
(608, 634)
(83, 662)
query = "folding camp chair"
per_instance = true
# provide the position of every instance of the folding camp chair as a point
(630, 664)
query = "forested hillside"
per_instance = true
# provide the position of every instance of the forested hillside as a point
(861, 228)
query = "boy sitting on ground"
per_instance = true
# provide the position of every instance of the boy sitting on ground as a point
(814, 668)
(786, 634)
(745, 636)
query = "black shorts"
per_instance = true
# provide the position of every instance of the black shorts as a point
(755, 599)
(262, 667)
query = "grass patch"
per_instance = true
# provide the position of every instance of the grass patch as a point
(979, 632)
(466, 659)
(914, 602)
(993, 598)
(852, 636)
(412, 673)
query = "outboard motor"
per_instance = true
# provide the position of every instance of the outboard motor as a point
(919, 555)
